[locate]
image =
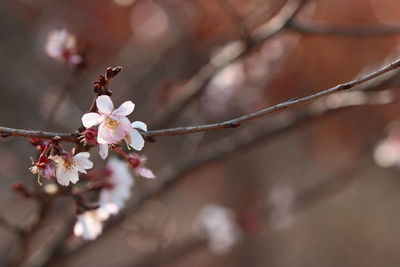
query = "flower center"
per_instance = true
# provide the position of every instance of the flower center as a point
(112, 124)
(69, 163)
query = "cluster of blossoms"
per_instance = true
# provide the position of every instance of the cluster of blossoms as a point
(105, 127)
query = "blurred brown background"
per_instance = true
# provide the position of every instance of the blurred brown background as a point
(161, 44)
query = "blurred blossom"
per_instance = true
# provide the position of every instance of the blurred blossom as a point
(218, 225)
(89, 225)
(61, 45)
(149, 21)
(138, 164)
(222, 88)
(387, 151)
(112, 198)
(281, 199)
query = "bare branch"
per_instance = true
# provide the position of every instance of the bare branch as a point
(6, 132)
(284, 105)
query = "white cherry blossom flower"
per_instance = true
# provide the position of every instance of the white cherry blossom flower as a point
(67, 167)
(61, 45)
(114, 125)
(218, 225)
(112, 199)
(89, 225)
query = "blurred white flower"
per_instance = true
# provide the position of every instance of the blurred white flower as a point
(67, 167)
(218, 225)
(281, 199)
(112, 199)
(387, 153)
(89, 225)
(114, 125)
(61, 45)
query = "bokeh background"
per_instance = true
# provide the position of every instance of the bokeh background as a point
(310, 196)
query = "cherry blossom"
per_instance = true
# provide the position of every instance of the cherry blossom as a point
(114, 125)
(112, 199)
(67, 167)
(61, 45)
(89, 225)
(138, 163)
(218, 225)
(44, 168)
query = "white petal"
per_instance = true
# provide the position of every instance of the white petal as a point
(62, 177)
(91, 119)
(136, 140)
(104, 104)
(103, 151)
(73, 177)
(82, 155)
(139, 125)
(146, 173)
(125, 109)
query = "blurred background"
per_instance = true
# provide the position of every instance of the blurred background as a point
(322, 190)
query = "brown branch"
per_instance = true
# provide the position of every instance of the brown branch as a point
(6, 132)
(72, 137)
(284, 105)
(364, 31)
(230, 53)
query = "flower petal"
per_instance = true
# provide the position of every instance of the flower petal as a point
(146, 173)
(62, 177)
(136, 140)
(91, 119)
(104, 104)
(139, 125)
(103, 151)
(125, 109)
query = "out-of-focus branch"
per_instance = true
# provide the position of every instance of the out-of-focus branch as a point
(237, 21)
(304, 201)
(231, 52)
(364, 31)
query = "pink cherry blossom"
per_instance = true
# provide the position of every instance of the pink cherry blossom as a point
(138, 163)
(67, 167)
(114, 125)
(61, 45)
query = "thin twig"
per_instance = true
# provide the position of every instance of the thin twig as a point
(284, 105)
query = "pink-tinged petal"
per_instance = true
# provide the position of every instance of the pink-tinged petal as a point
(136, 140)
(91, 119)
(124, 110)
(104, 104)
(82, 155)
(139, 125)
(103, 151)
(105, 135)
(146, 173)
